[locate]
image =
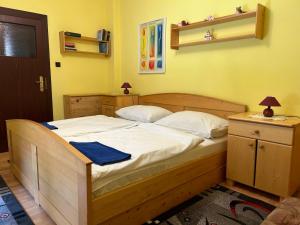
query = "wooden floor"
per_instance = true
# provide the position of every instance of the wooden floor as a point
(39, 217)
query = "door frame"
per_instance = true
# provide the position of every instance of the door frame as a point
(44, 32)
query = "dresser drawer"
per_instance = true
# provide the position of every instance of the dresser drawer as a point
(108, 110)
(80, 112)
(107, 100)
(278, 134)
(86, 99)
(84, 106)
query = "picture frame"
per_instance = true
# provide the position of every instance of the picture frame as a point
(152, 47)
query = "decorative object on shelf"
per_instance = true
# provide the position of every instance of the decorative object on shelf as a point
(126, 85)
(258, 33)
(209, 36)
(269, 101)
(151, 55)
(68, 41)
(209, 18)
(184, 23)
(239, 10)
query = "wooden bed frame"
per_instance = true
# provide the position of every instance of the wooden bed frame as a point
(59, 177)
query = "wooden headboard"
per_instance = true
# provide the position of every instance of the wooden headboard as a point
(178, 102)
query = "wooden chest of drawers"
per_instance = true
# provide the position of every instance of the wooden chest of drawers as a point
(264, 154)
(94, 104)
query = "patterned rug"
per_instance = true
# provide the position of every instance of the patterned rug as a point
(11, 212)
(217, 206)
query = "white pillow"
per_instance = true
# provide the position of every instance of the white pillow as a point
(197, 123)
(143, 113)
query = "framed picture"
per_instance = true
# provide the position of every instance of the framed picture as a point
(151, 55)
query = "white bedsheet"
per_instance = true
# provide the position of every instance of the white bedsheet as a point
(110, 183)
(89, 124)
(147, 144)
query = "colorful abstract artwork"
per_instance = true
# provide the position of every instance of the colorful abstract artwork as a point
(152, 47)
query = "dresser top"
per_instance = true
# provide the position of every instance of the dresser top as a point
(288, 122)
(99, 94)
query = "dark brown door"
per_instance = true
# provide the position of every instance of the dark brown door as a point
(25, 82)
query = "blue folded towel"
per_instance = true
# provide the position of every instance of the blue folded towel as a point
(100, 154)
(51, 127)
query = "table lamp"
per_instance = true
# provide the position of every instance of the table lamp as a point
(269, 101)
(126, 85)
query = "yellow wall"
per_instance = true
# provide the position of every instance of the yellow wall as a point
(78, 74)
(241, 71)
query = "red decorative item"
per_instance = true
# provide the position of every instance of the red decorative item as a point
(126, 85)
(269, 101)
(151, 64)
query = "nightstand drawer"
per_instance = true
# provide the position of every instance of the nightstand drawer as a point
(278, 134)
(107, 100)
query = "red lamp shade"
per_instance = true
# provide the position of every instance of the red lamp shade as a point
(269, 101)
(126, 85)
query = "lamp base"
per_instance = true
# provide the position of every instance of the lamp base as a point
(268, 112)
(126, 91)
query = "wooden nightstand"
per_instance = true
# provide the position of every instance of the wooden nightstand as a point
(264, 154)
(94, 104)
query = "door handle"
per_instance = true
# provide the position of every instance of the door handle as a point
(41, 83)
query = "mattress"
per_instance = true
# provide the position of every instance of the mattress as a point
(110, 183)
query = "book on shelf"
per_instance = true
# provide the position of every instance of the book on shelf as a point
(70, 48)
(108, 36)
(103, 48)
(72, 34)
(103, 35)
(69, 44)
(100, 35)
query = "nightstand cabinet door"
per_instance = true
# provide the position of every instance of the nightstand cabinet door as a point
(273, 167)
(241, 159)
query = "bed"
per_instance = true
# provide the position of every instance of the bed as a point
(59, 177)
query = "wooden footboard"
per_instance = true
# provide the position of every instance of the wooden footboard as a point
(55, 173)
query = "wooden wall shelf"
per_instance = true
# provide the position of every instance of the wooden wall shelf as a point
(258, 33)
(64, 38)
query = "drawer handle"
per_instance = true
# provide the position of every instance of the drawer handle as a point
(262, 147)
(251, 145)
(256, 132)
